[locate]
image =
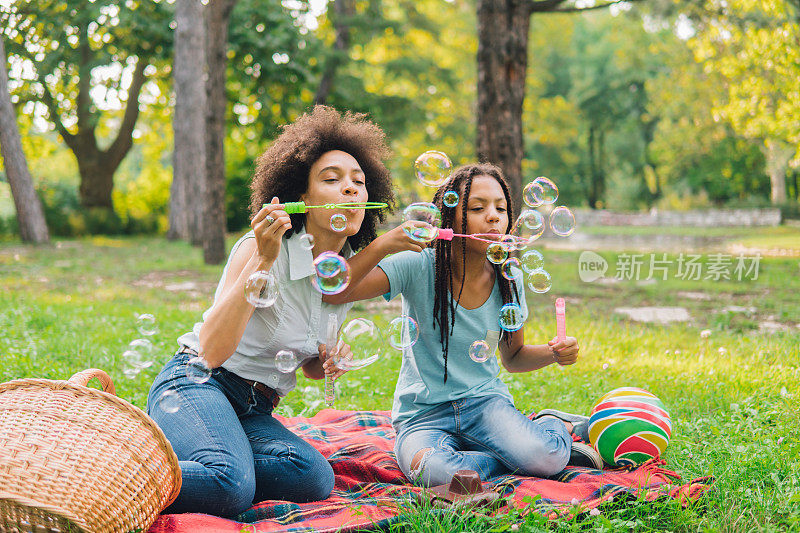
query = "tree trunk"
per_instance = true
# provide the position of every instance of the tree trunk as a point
(340, 17)
(592, 145)
(189, 123)
(218, 14)
(502, 64)
(97, 179)
(777, 154)
(32, 225)
(97, 167)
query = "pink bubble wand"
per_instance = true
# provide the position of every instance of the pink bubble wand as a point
(561, 320)
(447, 234)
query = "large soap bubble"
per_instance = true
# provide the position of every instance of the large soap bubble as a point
(510, 268)
(285, 361)
(539, 281)
(450, 198)
(545, 190)
(532, 194)
(531, 261)
(562, 221)
(421, 221)
(496, 253)
(529, 226)
(365, 342)
(403, 332)
(332, 273)
(197, 370)
(261, 289)
(338, 222)
(146, 324)
(510, 318)
(479, 351)
(433, 168)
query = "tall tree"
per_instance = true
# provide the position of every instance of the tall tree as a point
(341, 16)
(189, 123)
(72, 49)
(503, 27)
(217, 17)
(754, 45)
(32, 225)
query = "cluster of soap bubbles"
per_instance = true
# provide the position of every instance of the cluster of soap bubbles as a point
(542, 191)
(139, 353)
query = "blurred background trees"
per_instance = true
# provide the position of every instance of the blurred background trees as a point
(633, 106)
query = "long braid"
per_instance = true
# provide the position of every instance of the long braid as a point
(444, 312)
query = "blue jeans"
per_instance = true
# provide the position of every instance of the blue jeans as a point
(231, 451)
(486, 434)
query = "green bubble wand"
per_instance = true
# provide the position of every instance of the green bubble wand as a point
(292, 208)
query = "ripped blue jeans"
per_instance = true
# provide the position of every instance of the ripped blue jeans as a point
(486, 434)
(231, 450)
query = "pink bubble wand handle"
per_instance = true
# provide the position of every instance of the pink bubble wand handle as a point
(561, 320)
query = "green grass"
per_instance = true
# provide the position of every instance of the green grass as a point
(732, 396)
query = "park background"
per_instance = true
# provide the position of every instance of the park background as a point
(690, 109)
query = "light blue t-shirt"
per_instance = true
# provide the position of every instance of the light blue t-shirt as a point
(420, 385)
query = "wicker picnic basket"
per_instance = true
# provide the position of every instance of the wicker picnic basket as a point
(73, 458)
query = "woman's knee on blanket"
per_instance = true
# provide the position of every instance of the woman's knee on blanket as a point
(236, 489)
(316, 482)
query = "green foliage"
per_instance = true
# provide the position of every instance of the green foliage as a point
(59, 44)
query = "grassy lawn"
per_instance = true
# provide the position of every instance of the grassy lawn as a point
(733, 396)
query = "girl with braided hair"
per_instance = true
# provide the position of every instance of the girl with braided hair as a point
(449, 412)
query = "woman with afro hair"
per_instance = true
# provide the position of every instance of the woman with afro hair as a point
(232, 451)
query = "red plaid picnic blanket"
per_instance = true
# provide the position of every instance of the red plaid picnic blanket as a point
(371, 491)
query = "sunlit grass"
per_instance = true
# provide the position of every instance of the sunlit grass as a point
(732, 396)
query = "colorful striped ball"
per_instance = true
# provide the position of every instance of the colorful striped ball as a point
(628, 426)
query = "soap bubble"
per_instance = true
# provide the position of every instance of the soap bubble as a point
(546, 191)
(338, 222)
(510, 268)
(421, 220)
(307, 241)
(365, 341)
(285, 361)
(169, 401)
(131, 372)
(532, 260)
(510, 318)
(529, 225)
(261, 289)
(146, 324)
(332, 273)
(562, 221)
(433, 168)
(539, 281)
(509, 242)
(197, 370)
(403, 332)
(532, 194)
(137, 359)
(450, 199)
(496, 253)
(142, 346)
(479, 351)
